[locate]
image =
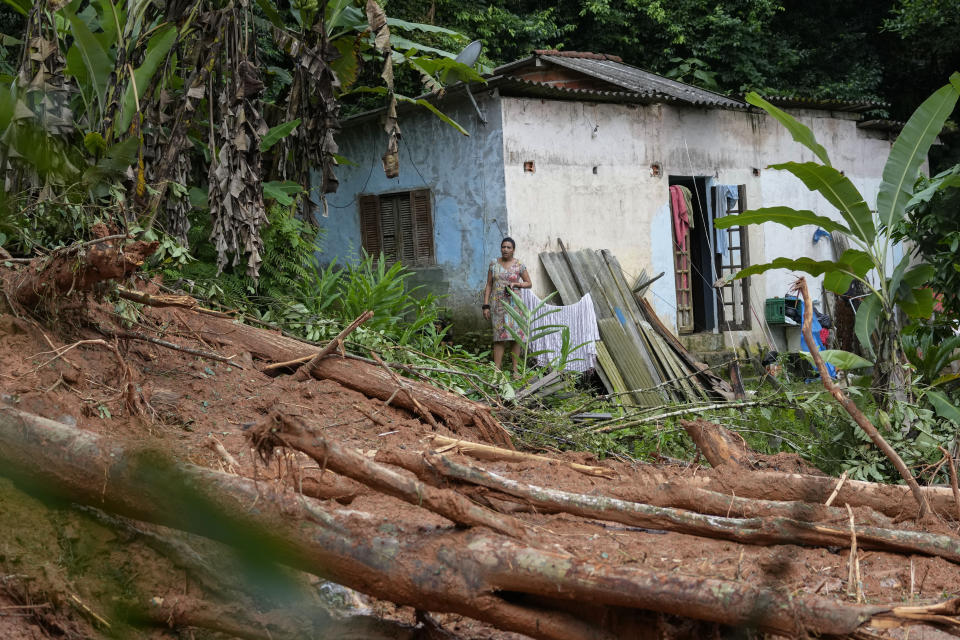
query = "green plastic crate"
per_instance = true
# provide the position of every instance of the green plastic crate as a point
(775, 310)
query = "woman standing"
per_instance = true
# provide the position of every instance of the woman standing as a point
(505, 273)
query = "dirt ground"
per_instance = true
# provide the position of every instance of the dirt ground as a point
(64, 573)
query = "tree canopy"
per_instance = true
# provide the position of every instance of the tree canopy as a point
(892, 51)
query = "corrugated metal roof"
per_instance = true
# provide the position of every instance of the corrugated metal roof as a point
(517, 87)
(831, 104)
(643, 82)
(882, 125)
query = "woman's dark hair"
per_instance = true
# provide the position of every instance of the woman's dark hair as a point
(510, 240)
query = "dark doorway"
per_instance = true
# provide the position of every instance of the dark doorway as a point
(700, 294)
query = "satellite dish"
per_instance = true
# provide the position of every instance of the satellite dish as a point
(470, 53)
(469, 57)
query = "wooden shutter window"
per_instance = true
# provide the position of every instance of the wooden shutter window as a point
(389, 235)
(398, 225)
(370, 224)
(422, 227)
(407, 246)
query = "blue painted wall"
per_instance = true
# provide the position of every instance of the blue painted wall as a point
(466, 180)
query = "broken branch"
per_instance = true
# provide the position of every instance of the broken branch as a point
(127, 335)
(849, 405)
(836, 491)
(308, 369)
(416, 403)
(953, 479)
(717, 444)
(488, 452)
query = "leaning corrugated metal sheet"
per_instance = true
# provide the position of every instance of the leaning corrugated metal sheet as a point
(638, 357)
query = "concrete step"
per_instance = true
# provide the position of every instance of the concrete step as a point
(703, 342)
(717, 359)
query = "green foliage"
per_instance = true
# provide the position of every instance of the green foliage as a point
(277, 133)
(529, 321)
(931, 224)
(871, 233)
(840, 359)
(693, 71)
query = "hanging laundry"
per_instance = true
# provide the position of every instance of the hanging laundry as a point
(727, 196)
(688, 200)
(579, 318)
(681, 216)
(682, 223)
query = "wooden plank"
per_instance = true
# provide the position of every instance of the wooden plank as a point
(685, 386)
(560, 276)
(615, 298)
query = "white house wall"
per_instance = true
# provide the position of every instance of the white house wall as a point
(592, 184)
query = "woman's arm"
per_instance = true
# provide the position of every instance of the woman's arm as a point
(486, 294)
(526, 279)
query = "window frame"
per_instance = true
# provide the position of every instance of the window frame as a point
(413, 241)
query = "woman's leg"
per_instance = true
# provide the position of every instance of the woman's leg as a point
(515, 350)
(498, 354)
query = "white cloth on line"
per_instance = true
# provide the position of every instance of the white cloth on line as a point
(579, 318)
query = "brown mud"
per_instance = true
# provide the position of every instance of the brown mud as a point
(69, 573)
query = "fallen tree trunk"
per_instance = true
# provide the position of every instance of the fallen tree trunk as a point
(678, 496)
(79, 268)
(771, 530)
(718, 445)
(238, 621)
(465, 572)
(224, 596)
(458, 413)
(894, 500)
(284, 431)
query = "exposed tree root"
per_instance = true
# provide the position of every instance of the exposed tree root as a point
(78, 268)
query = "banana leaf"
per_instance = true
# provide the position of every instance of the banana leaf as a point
(157, 48)
(800, 132)
(868, 316)
(840, 192)
(790, 218)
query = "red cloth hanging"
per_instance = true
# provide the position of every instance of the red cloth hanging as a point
(681, 225)
(681, 217)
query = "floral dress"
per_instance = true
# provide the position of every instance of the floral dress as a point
(500, 298)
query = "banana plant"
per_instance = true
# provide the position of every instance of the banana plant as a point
(336, 37)
(869, 230)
